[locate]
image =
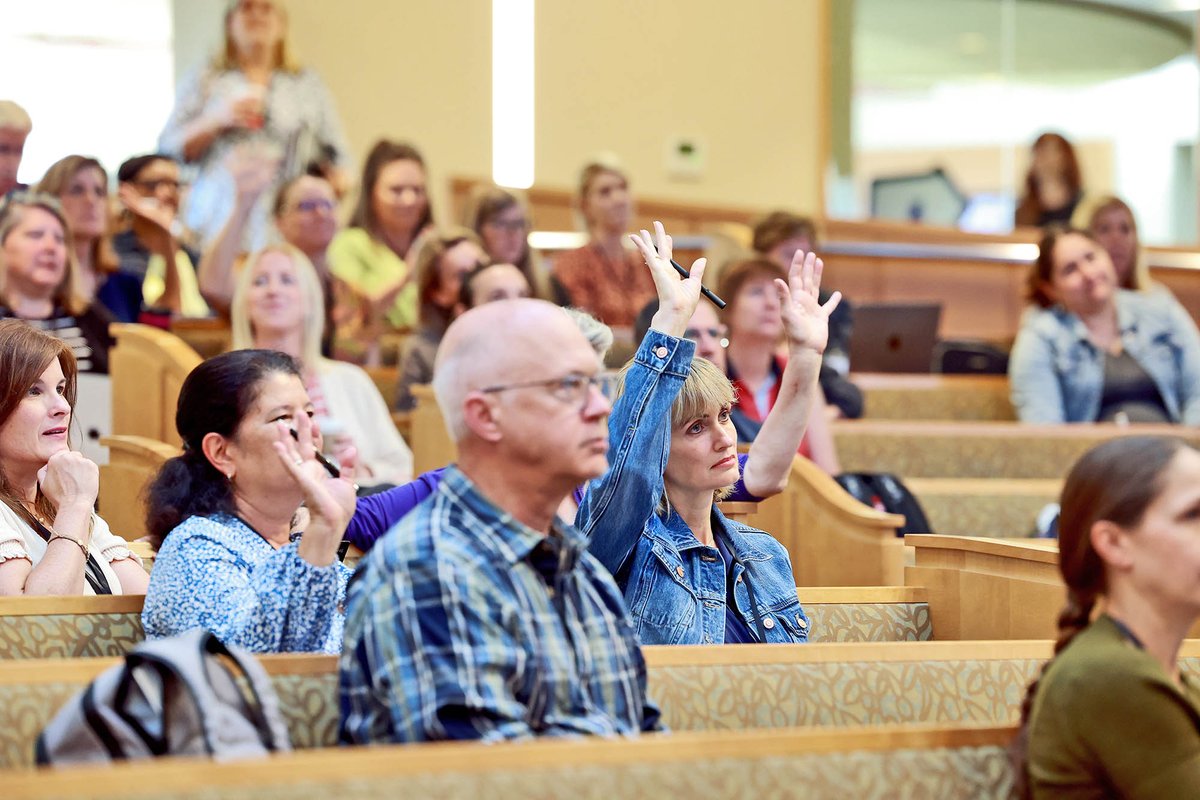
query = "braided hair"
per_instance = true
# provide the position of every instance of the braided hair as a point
(1115, 481)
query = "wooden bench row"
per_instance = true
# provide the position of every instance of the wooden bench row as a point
(697, 688)
(870, 764)
(90, 627)
(712, 697)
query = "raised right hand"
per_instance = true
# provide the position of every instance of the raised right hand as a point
(70, 480)
(677, 298)
(253, 170)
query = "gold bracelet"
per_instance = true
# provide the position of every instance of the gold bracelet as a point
(83, 547)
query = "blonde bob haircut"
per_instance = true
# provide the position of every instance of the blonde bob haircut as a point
(311, 296)
(227, 59)
(68, 293)
(706, 390)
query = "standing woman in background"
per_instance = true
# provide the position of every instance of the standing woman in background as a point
(374, 256)
(604, 277)
(81, 186)
(1112, 715)
(1053, 186)
(254, 90)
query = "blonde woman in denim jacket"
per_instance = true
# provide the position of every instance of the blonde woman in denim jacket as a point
(689, 575)
(1091, 352)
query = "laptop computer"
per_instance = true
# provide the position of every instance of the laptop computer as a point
(894, 337)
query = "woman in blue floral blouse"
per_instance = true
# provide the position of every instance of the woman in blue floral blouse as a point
(224, 514)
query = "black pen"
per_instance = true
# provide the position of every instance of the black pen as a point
(330, 467)
(704, 290)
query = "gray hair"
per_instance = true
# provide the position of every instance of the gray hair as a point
(599, 335)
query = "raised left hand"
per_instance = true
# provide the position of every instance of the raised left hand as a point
(147, 208)
(330, 501)
(805, 321)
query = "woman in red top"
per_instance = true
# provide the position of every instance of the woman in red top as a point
(753, 360)
(604, 277)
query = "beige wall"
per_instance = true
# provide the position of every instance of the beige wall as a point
(418, 70)
(628, 75)
(612, 75)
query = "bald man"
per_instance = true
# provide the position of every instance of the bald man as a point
(481, 615)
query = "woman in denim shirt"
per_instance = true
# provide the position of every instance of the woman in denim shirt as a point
(1091, 352)
(689, 575)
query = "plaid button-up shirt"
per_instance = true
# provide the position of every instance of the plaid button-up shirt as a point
(464, 623)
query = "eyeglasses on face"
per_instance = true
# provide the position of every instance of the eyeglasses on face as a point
(574, 387)
(714, 333)
(311, 206)
(508, 225)
(153, 186)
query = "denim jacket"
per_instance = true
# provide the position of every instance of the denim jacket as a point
(675, 586)
(1057, 374)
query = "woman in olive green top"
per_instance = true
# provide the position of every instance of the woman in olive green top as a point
(1111, 715)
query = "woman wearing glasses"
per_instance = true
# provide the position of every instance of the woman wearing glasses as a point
(690, 576)
(500, 218)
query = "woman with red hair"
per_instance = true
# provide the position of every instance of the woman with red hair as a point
(1053, 187)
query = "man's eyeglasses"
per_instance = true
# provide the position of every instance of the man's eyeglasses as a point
(154, 186)
(309, 206)
(571, 388)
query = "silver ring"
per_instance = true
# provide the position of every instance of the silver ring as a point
(299, 462)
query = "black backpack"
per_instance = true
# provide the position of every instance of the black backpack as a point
(886, 492)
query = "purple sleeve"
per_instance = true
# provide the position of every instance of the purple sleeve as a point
(739, 494)
(375, 514)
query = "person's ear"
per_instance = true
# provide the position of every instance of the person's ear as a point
(217, 450)
(482, 416)
(1112, 543)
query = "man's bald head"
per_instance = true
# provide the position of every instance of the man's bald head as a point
(507, 341)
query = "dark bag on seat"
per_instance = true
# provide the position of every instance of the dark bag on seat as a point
(172, 696)
(885, 492)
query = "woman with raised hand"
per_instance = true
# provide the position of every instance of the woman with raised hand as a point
(1089, 351)
(278, 305)
(224, 515)
(757, 326)
(51, 539)
(1112, 715)
(253, 91)
(690, 575)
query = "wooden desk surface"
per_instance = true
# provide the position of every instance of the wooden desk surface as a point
(335, 764)
(1041, 551)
